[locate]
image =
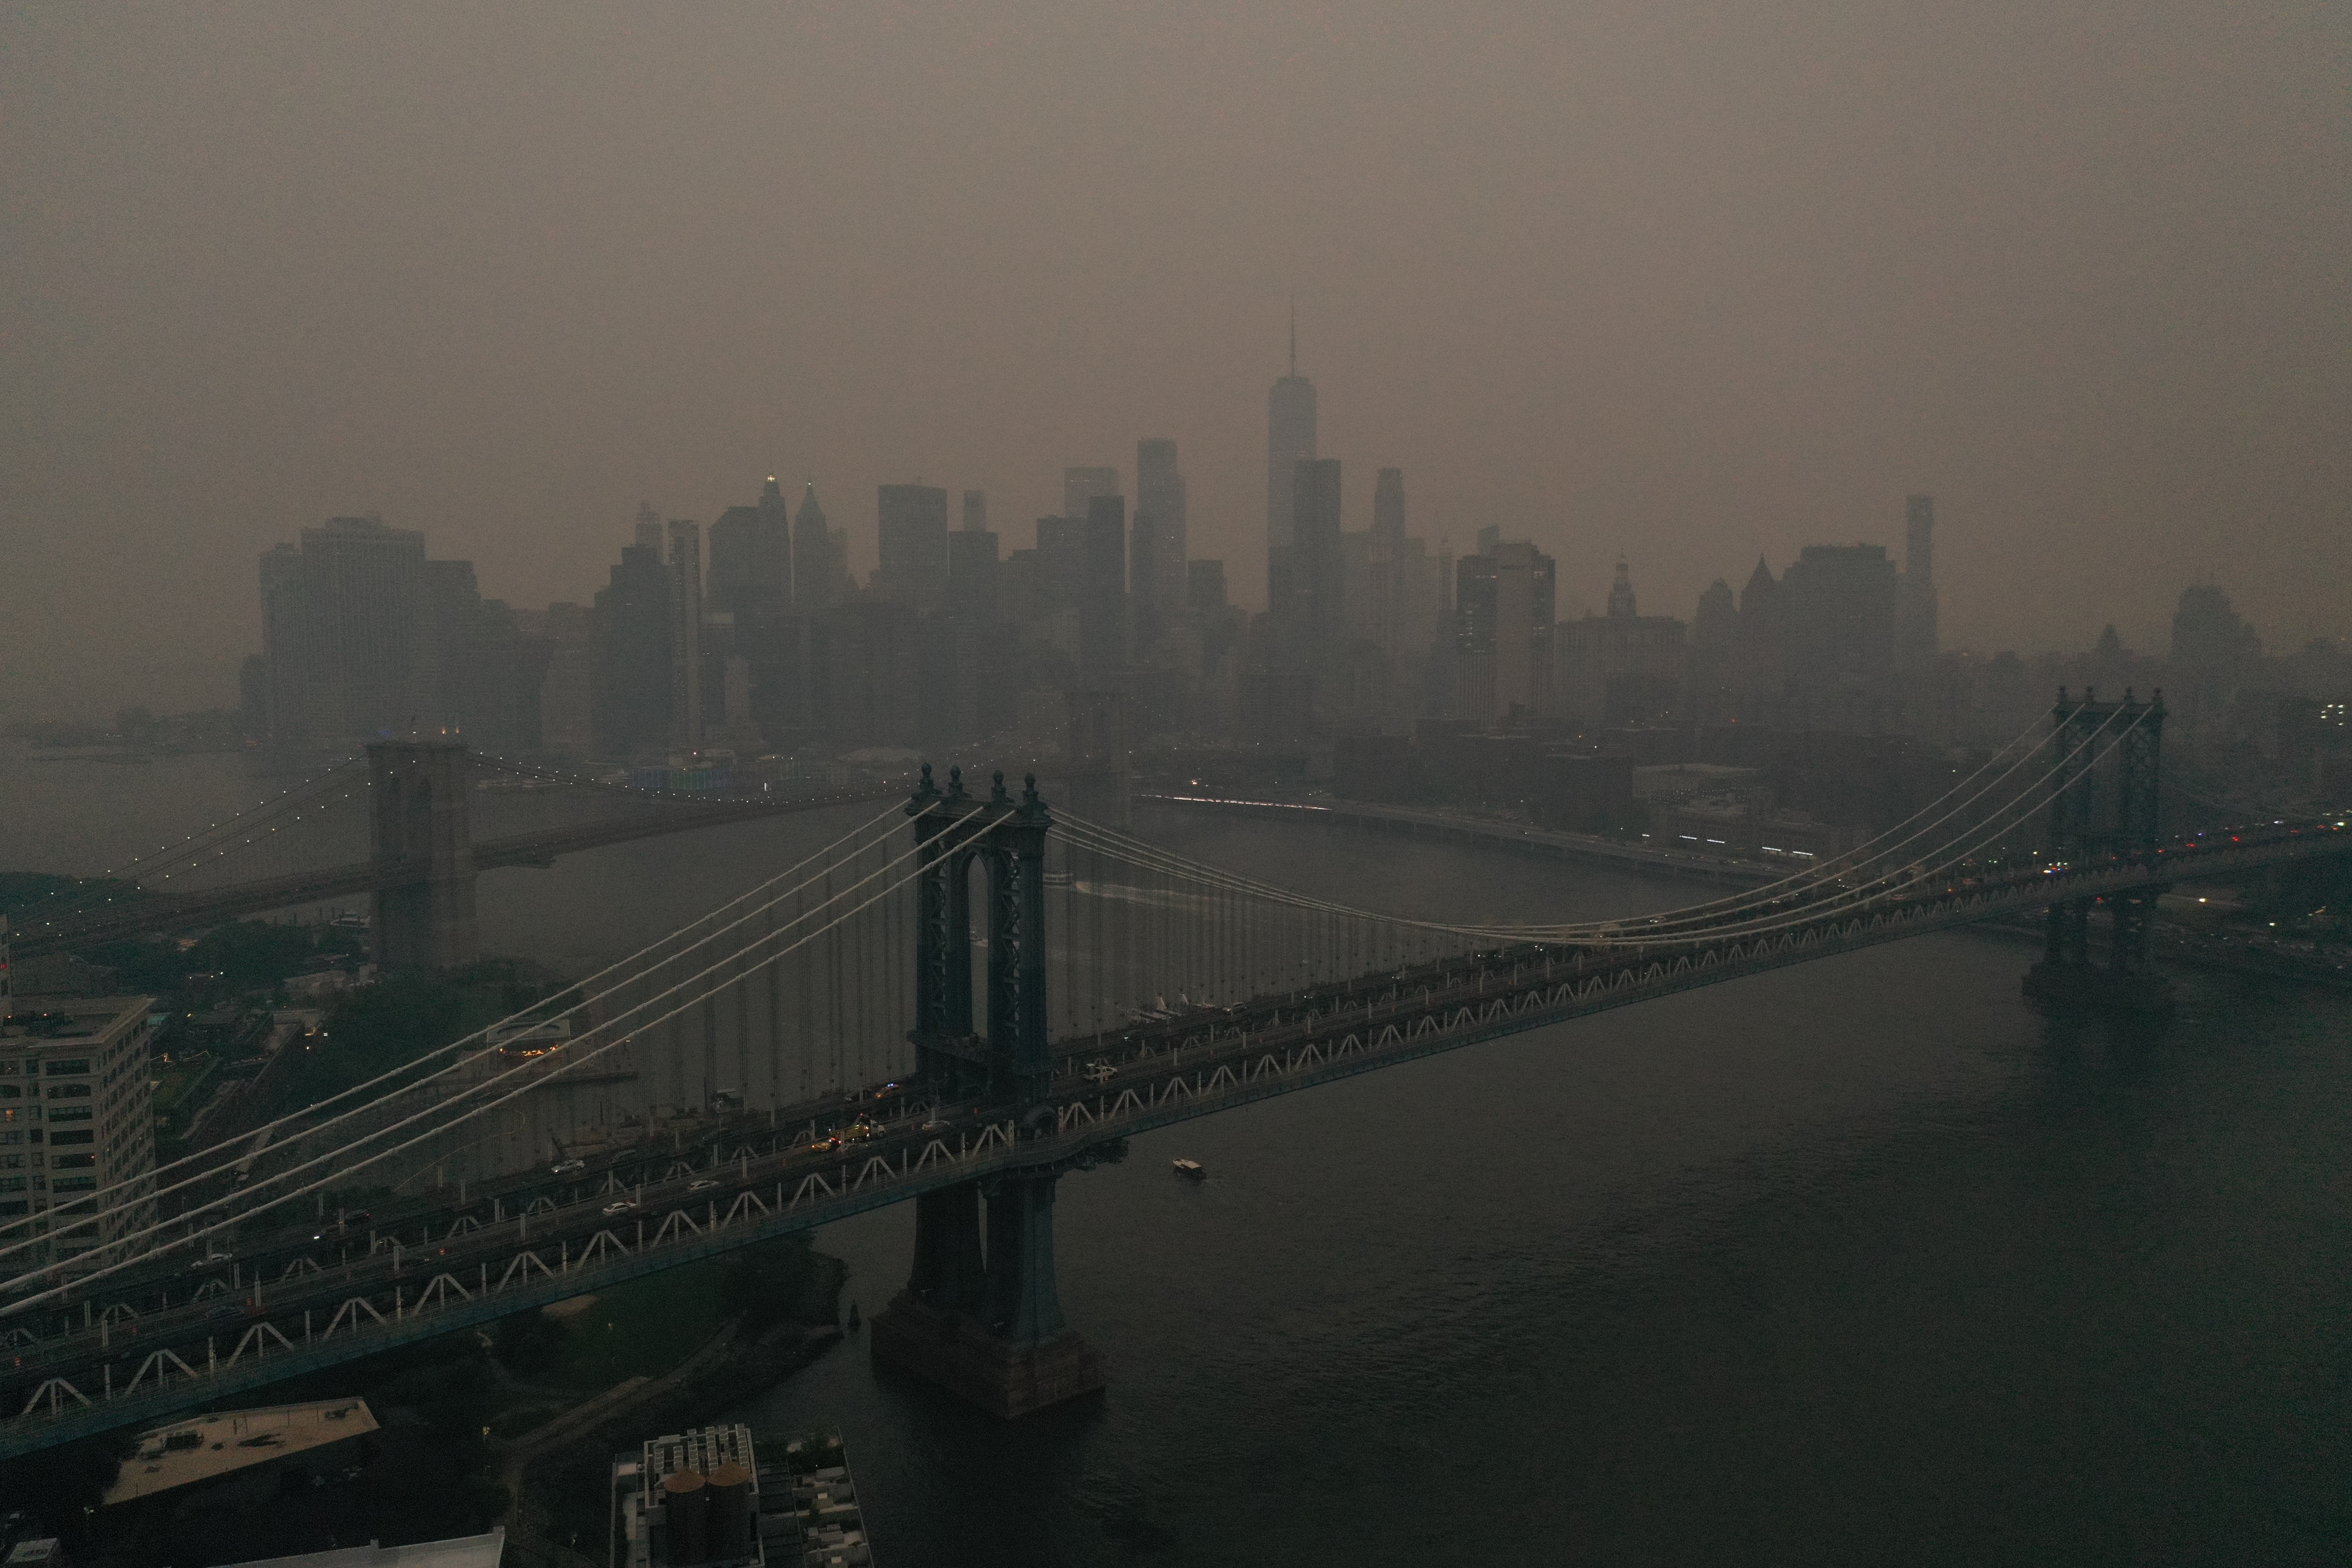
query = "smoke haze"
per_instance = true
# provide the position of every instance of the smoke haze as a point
(1691, 281)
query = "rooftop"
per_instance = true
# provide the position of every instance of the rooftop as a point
(460, 1551)
(217, 1445)
(43, 1021)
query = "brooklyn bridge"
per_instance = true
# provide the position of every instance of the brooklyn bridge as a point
(958, 1001)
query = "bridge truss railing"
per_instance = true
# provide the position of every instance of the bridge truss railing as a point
(1162, 1072)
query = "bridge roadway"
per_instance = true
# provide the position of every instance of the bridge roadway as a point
(438, 1266)
(1495, 833)
(178, 911)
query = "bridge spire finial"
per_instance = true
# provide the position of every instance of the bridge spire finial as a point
(996, 789)
(955, 783)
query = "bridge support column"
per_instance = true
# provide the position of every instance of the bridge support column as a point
(2089, 824)
(986, 1324)
(950, 1274)
(424, 853)
(948, 1055)
(1008, 1351)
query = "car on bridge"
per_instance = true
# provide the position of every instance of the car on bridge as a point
(702, 1184)
(619, 1207)
(567, 1167)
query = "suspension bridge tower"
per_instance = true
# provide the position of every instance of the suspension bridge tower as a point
(2106, 808)
(985, 1322)
(423, 851)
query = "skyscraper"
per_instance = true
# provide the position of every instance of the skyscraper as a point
(362, 593)
(1837, 602)
(971, 574)
(914, 544)
(1289, 437)
(284, 646)
(1321, 611)
(1204, 588)
(1155, 572)
(1388, 505)
(975, 511)
(1503, 637)
(1618, 667)
(1916, 636)
(1102, 594)
(684, 633)
(629, 656)
(817, 566)
(1080, 486)
(750, 568)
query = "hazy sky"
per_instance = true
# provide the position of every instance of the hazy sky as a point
(1689, 280)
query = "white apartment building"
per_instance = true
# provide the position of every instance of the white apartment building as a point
(75, 1119)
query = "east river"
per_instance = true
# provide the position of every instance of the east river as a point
(1864, 1261)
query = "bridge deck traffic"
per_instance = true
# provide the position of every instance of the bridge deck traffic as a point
(137, 1349)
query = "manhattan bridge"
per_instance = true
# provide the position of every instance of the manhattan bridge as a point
(966, 997)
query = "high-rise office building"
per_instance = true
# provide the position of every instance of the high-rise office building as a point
(1080, 487)
(1714, 645)
(363, 635)
(2208, 633)
(1061, 563)
(649, 527)
(1319, 577)
(1504, 599)
(284, 647)
(818, 566)
(913, 568)
(363, 584)
(1102, 594)
(566, 689)
(1204, 588)
(1388, 505)
(473, 672)
(1837, 604)
(873, 674)
(341, 619)
(1621, 666)
(971, 574)
(75, 1119)
(1155, 572)
(975, 511)
(1289, 439)
(1916, 636)
(750, 567)
(684, 635)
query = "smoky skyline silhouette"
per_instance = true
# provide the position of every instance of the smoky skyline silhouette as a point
(1687, 286)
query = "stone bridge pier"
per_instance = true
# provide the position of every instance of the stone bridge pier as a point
(423, 845)
(982, 1317)
(2105, 806)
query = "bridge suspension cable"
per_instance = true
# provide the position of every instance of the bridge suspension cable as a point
(1710, 920)
(1880, 850)
(150, 870)
(620, 1030)
(211, 1162)
(1852, 900)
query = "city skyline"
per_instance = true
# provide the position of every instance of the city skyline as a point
(1292, 422)
(290, 266)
